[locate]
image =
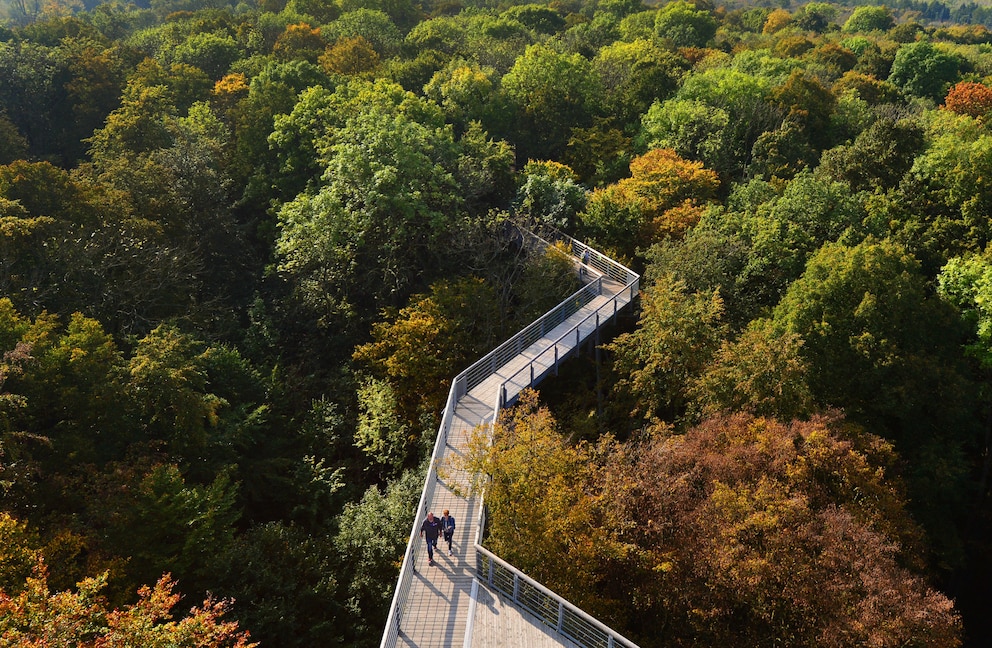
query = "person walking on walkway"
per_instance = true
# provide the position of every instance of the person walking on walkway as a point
(447, 528)
(430, 530)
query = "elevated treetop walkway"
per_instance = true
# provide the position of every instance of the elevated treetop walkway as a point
(473, 598)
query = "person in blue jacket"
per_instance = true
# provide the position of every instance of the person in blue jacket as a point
(447, 528)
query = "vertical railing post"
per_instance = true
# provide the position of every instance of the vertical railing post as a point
(516, 587)
(561, 616)
(532, 375)
(556, 358)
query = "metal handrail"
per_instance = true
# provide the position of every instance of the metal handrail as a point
(487, 366)
(409, 566)
(630, 290)
(549, 608)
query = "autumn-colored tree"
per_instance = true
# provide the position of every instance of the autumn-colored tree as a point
(792, 46)
(18, 548)
(661, 181)
(969, 98)
(421, 348)
(350, 56)
(571, 531)
(300, 41)
(666, 195)
(805, 101)
(777, 19)
(38, 617)
(867, 87)
(754, 531)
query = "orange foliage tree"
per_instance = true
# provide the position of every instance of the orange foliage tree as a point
(969, 98)
(38, 617)
(664, 196)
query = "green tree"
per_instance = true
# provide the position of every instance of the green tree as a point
(852, 306)
(923, 70)
(941, 207)
(966, 282)
(373, 25)
(378, 226)
(685, 25)
(212, 52)
(162, 523)
(815, 16)
(785, 230)
(374, 533)
(543, 20)
(677, 335)
(866, 19)
(761, 372)
(31, 95)
(550, 194)
(286, 583)
(740, 110)
(465, 91)
(169, 383)
(636, 74)
(878, 158)
(693, 129)
(551, 93)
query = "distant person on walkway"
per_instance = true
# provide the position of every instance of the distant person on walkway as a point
(447, 528)
(430, 530)
(585, 262)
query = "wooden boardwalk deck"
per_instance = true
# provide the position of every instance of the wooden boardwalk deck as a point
(437, 608)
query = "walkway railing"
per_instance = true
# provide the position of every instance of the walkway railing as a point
(588, 259)
(552, 610)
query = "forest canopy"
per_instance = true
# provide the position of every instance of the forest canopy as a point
(245, 247)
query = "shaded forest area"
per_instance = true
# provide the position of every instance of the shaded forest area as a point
(243, 250)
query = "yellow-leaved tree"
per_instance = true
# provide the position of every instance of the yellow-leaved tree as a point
(548, 502)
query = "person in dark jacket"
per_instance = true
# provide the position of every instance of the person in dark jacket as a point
(430, 530)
